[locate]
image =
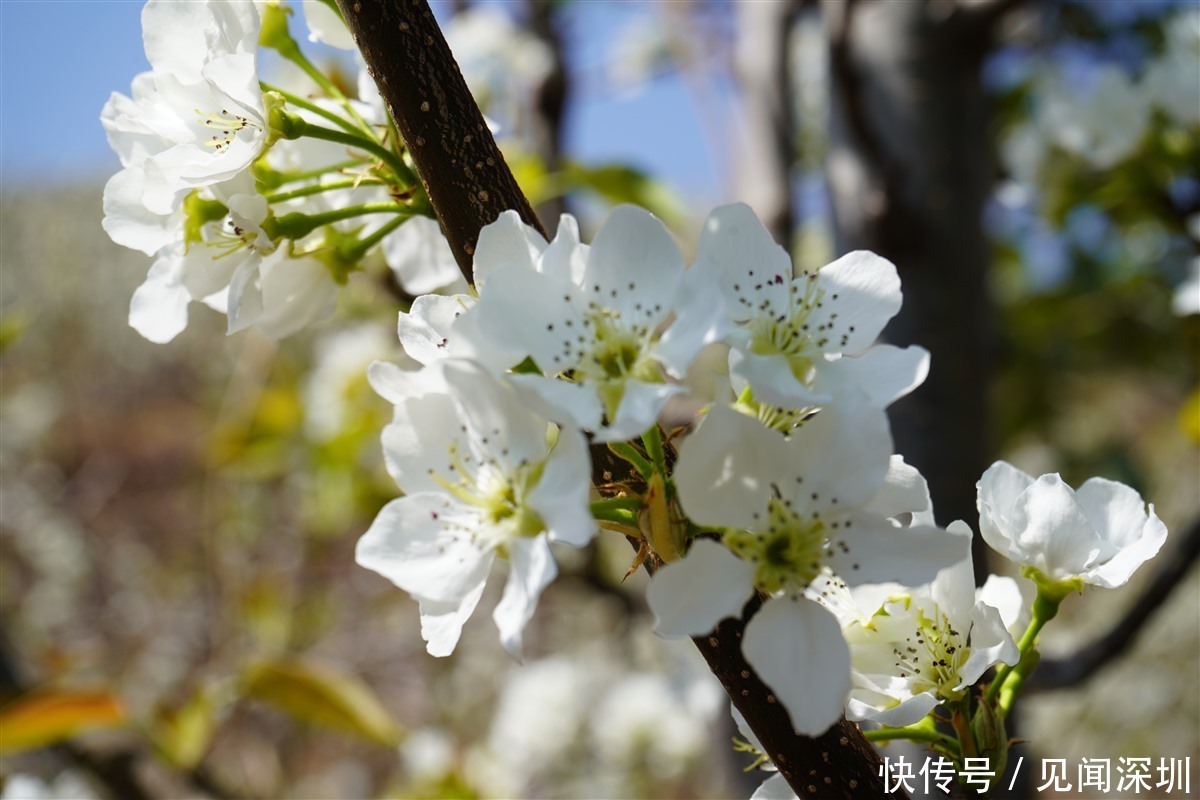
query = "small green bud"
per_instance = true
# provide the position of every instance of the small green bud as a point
(281, 123)
(274, 33)
(991, 738)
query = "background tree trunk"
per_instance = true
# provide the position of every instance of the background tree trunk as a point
(909, 174)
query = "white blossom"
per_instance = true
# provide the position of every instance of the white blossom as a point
(1098, 534)
(483, 476)
(799, 341)
(925, 646)
(792, 513)
(613, 319)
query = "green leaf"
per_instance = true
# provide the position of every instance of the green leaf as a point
(183, 733)
(618, 183)
(322, 695)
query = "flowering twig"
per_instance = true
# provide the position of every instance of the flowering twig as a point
(469, 184)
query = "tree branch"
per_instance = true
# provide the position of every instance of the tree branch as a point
(456, 157)
(470, 185)
(1060, 673)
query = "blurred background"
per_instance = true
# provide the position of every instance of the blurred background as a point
(181, 612)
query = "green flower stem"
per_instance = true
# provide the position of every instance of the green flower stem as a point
(270, 179)
(629, 453)
(353, 250)
(923, 731)
(1016, 679)
(307, 105)
(1045, 608)
(618, 510)
(652, 439)
(297, 225)
(318, 188)
(403, 174)
(279, 39)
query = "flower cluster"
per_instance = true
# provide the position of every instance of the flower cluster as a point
(255, 199)
(780, 502)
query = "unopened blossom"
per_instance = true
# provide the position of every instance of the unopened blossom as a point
(613, 319)
(926, 646)
(800, 340)
(1098, 534)
(483, 477)
(791, 513)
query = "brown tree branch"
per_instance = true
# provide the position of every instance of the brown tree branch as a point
(456, 157)
(470, 184)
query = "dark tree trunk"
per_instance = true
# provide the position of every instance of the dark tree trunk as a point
(764, 166)
(909, 174)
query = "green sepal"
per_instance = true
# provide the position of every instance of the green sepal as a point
(197, 212)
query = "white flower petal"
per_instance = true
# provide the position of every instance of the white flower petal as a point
(442, 622)
(1051, 530)
(413, 543)
(633, 261)
(158, 310)
(326, 26)
(773, 381)
(796, 647)
(641, 404)
(737, 255)
(842, 455)
(904, 491)
(507, 242)
(884, 373)
(690, 596)
(876, 552)
(725, 469)
(991, 644)
(425, 330)
(532, 569)
(863, 290)
(418, 253)
(774, 788)
(561, 496)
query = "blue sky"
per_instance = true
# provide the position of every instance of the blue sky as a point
(60, 60)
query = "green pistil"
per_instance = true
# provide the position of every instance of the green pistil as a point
(788, 554)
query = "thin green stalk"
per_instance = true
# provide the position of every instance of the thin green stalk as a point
(629, 453)
(308, 105)
(398, 167)
(319, 188)
(652, 439)
(1045, 608)
(297, 225)
(353, 252)
(920, 732)
(607, 511)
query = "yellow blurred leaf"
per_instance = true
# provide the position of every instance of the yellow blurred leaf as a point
(1189, 417)
(322, 695)
(184, 733)
(48, 716)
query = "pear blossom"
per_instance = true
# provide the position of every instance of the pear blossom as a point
(801, 340)
(614, 319)
(1098, 534)
(791, 512)
(483, 476)
(197, 118)
(926, 646)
